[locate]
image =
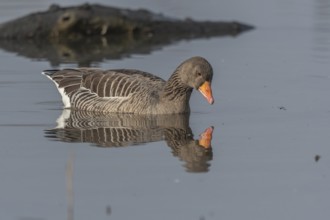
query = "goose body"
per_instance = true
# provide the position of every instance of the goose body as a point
(133, 91)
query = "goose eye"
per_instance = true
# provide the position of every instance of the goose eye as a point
(199, 74)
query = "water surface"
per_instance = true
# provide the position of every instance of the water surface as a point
(271, 121)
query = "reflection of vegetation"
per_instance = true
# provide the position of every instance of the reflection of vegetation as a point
(69, 188)
(92, 33)
(93, 49)
(120, 130)
(89, 50)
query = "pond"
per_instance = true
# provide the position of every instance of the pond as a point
(270, 154)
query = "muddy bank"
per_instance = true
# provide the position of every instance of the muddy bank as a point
(57, 35)
(72, 23)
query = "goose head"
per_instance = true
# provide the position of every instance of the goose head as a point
(197, 73)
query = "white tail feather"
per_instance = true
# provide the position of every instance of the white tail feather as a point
(65, 97)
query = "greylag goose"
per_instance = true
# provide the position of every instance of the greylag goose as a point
(133, 91)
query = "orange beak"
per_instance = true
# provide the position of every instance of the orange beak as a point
(206, 91)
(206, 137)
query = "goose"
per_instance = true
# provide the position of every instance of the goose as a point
(133, 91)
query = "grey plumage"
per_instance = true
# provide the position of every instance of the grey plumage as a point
(131, 91)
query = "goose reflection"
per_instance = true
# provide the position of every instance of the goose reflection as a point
(120, 130)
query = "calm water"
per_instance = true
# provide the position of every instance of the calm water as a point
(270, 147)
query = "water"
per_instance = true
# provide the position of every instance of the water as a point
(271, 122)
